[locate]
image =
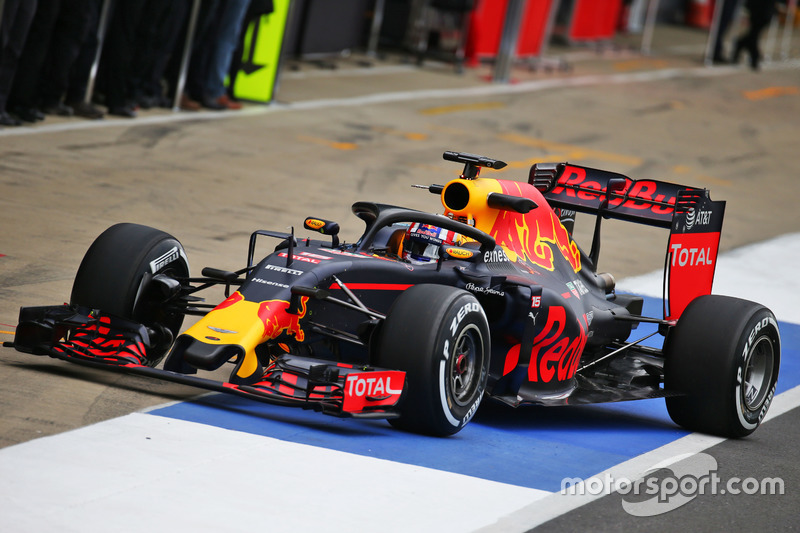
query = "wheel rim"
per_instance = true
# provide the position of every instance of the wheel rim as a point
(466, 364)
(758, 373)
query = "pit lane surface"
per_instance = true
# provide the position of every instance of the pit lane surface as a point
(211, 182)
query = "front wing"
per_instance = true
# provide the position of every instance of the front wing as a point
(87, 337)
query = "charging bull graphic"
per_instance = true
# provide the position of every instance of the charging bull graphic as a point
(276, 318)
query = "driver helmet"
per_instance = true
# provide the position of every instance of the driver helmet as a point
(422, 241)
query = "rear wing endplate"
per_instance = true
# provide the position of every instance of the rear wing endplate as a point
(692, 250)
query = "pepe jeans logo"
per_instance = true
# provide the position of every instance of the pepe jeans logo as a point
(471, 287)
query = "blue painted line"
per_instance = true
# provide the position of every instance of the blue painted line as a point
(534, 447)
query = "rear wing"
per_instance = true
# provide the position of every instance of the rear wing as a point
(694, 220)
(586, 189)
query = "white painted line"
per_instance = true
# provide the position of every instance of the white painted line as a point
(557, 504)
(149, 473)
(346, 72)
(487, 89)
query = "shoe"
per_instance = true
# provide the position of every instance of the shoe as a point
(27, 114)
(149, 102)
(233, 105)
(59, 109)
(8, 120)
(187, 104)
(86, 110)
(755, 56)
(164, 102)
(213, 103)
(737, 52)
(126, 111)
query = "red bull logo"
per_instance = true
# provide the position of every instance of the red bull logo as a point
(276, 318)
(555, 354)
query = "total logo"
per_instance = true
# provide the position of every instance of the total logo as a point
(697, 217)
(358, 385)
(682, 256)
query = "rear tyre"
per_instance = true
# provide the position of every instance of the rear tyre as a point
(439, 336)
(115, 274)
(723, 358)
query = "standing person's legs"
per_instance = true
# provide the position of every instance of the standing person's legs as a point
(227, 38)
(202, 47)
(16, 20)
(117, 56)
(726, 17)
(23, 99)
(78, 83)
(761, 12)
(69, 34)
(169, 49)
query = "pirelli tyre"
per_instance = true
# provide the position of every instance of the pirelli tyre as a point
(115, 278)
(439, 336)
(722, 359)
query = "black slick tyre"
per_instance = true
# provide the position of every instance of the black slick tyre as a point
(114, 278)
(439, 336)
(722, 359)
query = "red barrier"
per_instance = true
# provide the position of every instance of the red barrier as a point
(594, 20)
(486, 27)
(699, 13)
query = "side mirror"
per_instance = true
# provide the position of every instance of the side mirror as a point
(326, 227)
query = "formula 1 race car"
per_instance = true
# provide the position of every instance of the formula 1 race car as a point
(425, 314)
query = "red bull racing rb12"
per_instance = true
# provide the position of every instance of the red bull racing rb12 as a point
(426, 315)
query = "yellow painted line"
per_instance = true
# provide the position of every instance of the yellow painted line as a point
(480, 106)
(639, 64)
(681, 169)
(714, 180)
(770, 92)
(7, 332)
(330, 144)
(411, 136)
(571, 152)
(446, 129)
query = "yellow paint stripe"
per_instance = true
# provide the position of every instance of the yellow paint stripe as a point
(639, 64)
(713, 180)
(770, 92)
(681, 169)
(479, 106)
(411, 136)
(571, 152)
(7, 332)
(330, 144)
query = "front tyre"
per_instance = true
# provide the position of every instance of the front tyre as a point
(723, 358)
(115, 275)
(439, 336)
